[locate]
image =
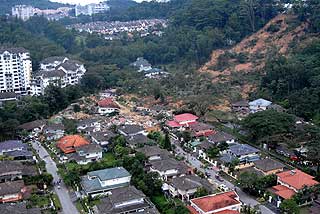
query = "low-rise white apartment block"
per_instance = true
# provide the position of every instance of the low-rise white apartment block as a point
(23, 12)
(91, 9)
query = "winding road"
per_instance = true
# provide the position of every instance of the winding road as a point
(63, 193)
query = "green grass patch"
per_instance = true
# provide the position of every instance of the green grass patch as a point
(40, 201)
(56, 202)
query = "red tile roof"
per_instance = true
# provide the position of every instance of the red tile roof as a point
(283, 191)
(214, 202)
(228, 212)
(297, 179)
(68, 143)
(108, 103)
(192, 210)
(185, 117)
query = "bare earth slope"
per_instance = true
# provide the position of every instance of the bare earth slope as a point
(240, 67)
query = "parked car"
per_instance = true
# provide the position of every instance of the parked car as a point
(219, 178)
(223, 188)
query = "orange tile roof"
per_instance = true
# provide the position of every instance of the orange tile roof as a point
(297, 179)
(283, 191)
(214, 202)
(68, 143)
(192, 210)
(228, 212)
(107, 103)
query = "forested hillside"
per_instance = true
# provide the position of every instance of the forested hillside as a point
(6, 5)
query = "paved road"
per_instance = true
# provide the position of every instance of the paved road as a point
(63, 193)
(245, 198)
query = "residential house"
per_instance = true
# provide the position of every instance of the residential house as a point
(125, 200)
(154, 153)
(142, 64)
(93, 123)
(11, 191)
(268, 166)
(34, 126)
(54, 131)
(182, 120)
(201, 129)
(15, 149)
(51, 63)
(221, 137)
(241, 107)
(13, 170)
(138, 140)
(101, 182)
(107, 106)
(291, 182)
(259, 105)
(221, 203)
(68, 144)
(156, 73)
(185, 187)
(201, 150)
(102, 138)
(18, 208)
(86, 154)
(169, 168)
(131, 130)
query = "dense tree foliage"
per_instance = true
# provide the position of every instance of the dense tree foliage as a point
(255, 185)
(294, 82)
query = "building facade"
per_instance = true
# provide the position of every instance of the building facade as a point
(23, 12)
(91, 9)
(15, 70)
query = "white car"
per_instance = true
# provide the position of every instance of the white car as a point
(223, 187)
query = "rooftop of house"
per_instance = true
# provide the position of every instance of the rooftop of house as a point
(283, 191)
(89, 149)
(69, 66)
(260, 102)
(68, 143)
(141, 62)
(108, 103)
(241, 103)
(217, 201)
(53, 127)
(18, 208)
(53, 59)
(111, 204)
(91, 183)
(138, 139)
(242, 149)
(297, 179)
(268, 164)
(150, 151)
(103, 136)
(50, 74)
(185, 117)
(131, 129)
(169, 164)
(110, 173)
(190, 182)
(197, 127)
(88, 121)
(12, 144)
(11, 187)
(15, 167)
(32, 125)
(19, 153)
(220, 137)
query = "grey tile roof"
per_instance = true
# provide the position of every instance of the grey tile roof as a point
(268, 164)
(49, 74)
(220, 137)
(200, 127)
(53, 59)
(227, 158)
(69, 66)
(190, 182)
(89, 148)
(168, 164)
(32, 125)
(8, 95)
(149, 151)
(242, 149)
(53, 127)
(12, 187)
(12, 144)
(18, 208)
(241, 103)
(131, 129)
(103, 136)
(138, 139)
(112, 203)
(19, 153)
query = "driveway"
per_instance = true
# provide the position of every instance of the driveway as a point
(63, 193)
(245, 198)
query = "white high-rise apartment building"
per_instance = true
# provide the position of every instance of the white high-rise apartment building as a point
(91, 9)
(15, 70)
(23, 12)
